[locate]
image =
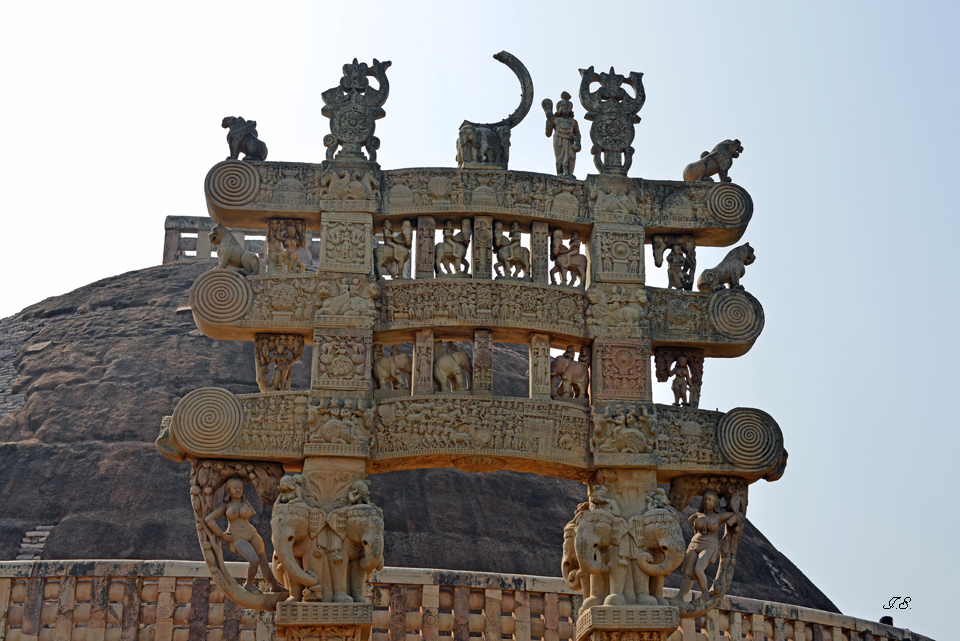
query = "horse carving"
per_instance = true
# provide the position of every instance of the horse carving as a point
(567, 260)
(451, 253)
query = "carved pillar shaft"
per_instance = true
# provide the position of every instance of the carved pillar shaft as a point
(342, 362)
(345, 242)
(483, 247)
(482, 363)
(426, 232)
(540, 383)
(621, 369)
(540, 250)
(423, 363)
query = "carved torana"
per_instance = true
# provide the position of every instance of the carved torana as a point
(400, 282)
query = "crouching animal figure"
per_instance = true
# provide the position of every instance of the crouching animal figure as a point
(718, 161)
(242, 136)
(729, 272)
(615, 561)
(326, 557)
(231, 253)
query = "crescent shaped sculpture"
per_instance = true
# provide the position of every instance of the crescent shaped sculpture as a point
(489, 143)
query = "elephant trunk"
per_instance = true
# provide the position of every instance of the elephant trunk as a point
(283, 546)
(672, 557)
(588, 554)
(372, 557)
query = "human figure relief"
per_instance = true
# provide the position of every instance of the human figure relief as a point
(704, 548)
(240, 536)
(394, 253)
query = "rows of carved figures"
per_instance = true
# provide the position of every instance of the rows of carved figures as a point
(400, 432)
(548, 261)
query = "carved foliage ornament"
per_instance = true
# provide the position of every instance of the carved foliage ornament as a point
(353, 107)
(614, 113)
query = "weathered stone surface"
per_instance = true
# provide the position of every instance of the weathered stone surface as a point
(79, 452)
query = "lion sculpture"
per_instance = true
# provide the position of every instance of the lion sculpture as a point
(242, 136)
(718, 161)
(231, 253)
(730, 270)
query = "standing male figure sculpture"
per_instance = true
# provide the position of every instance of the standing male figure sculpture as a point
(565, 131)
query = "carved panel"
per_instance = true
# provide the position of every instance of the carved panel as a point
(617, 253)
(509, 427)
(342, 359)
(540, 250)
(423, 362)
(621, 369)
(482, 363)
(412, 191)
(616, 311)
(496, 304)
(346, 301)
(283, 300)
(541, 384)
(272, 426)
(339, 427)
(483, 247)
(345, 240)
(426, 230)
(276, 352)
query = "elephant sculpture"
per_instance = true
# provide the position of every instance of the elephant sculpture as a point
(587, 563)
(394, 369)
(450, 368)
(326, 557)
(614, 561)
(574, 376)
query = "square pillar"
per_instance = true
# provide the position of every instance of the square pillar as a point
(423, 363)
(482, 362)
(342, 360)
(541, 385)
(483, 247)
(621, 369)
(426, 246)
(616, 253)
(345, 242)
(540, 253)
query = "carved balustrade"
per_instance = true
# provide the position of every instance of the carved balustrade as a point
(177, 600)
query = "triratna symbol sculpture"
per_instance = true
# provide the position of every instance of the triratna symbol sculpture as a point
(353, 269)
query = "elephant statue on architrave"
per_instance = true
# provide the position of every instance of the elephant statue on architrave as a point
(326, 557)
(574, 376)
(452, 367)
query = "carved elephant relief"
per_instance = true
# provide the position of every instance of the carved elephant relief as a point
(616, 562)
(326, 557)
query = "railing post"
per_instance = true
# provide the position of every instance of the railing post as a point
(171, 245)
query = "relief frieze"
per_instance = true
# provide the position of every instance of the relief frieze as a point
(463, 425)
(499, 304)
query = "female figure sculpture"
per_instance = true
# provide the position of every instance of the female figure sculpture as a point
(681, 381)
(241, 537)
(704, 548)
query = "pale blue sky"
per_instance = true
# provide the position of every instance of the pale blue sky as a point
(848, 113)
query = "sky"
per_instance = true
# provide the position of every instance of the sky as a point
(848, 117)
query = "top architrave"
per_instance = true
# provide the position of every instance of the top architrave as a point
(246, 195)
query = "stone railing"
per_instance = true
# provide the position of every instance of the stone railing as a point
(176, 601)
(176, 244)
